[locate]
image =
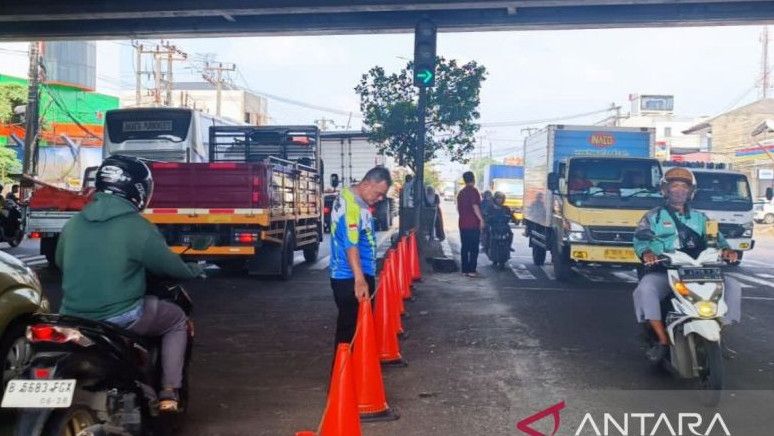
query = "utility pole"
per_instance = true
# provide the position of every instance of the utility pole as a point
(31, 112)
(765, 74)
(161, 79)
(218, 69)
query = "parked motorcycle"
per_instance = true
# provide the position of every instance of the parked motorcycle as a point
(692, 316)
(94, 378)
(12, 223)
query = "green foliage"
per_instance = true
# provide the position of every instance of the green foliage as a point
(433, 177)
(477, 166)
(11, 95)
(9, 164)
(389, 105)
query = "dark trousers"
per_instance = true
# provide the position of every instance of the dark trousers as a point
(469, 251)
(344, 294)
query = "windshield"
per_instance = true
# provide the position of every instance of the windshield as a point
(510, 187)
(614, 183)
(722, 191)
(144, 125)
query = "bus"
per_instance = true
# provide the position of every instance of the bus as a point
(160, 133)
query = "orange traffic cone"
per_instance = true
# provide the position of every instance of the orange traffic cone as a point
(341, 416)
(386, 336)
(369, 386)
(403, 269)
(394, 300)
(395, 288)
(416, 272)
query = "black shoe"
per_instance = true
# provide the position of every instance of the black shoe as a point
(657, 352)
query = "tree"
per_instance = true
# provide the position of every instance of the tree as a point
(477, 167)
(389, 106)
(11, 95)
(9, 164)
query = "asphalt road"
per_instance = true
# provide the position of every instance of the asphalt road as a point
(483, 353)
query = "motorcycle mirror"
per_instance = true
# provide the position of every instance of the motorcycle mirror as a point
(645, 235)
(201, 243)
(769, 193)
(334, 180)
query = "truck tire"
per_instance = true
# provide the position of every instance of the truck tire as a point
(311, 251)
(48, 249)
(286, 264)
(561, 262)
(538, 255)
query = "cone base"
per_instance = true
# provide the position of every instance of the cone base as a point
(385, 415)
(403, 334)
(397, 363)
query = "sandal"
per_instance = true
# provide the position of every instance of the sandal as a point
(168, 401)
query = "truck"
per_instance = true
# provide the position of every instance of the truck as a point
(724, 196)
(347, 156)
(158, 133)
(508, 179)
(586, 189)
(257, 200)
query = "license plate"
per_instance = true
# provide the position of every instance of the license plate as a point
(45, 394)
(614, 254)
(701, 274)
(147, 126)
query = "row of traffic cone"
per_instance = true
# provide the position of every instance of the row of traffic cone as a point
(357, 388)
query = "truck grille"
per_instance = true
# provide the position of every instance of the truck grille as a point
(613, 235)
(731, 230)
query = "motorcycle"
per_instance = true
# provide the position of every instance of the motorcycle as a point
(499, 247)
(692, 316)
(12, 223)
(90, 377)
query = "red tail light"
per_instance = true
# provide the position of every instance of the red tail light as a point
(42, 373)
(326, 210)
(58, 335)
(35, 235)
(246, 238)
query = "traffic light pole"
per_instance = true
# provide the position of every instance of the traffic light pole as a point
(419, 161)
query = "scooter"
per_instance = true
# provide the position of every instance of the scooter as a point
(90, 377)
(12, 223)
(499, 248)
(692, 316)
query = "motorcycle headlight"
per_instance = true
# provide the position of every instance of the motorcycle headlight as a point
(706, 309)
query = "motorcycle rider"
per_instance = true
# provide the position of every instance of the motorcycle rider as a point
(104, 253)
(667, 228)
(498, 217)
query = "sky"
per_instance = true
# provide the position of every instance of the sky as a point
(532, 75)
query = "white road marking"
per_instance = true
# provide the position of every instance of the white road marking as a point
(549, 271)
(740, 277)
(626, 276)
(522, 273)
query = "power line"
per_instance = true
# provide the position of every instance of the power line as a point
(542, 120)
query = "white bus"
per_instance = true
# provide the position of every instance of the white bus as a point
(160, 133)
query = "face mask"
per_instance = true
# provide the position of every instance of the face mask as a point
(678, 196)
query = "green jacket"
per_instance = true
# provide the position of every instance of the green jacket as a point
(104, 253)
(661, 224)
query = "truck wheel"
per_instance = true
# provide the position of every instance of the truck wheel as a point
(538, 255)
(769, 218)
(286, 265)
(311, 251)
(561, 263)
(48, 249)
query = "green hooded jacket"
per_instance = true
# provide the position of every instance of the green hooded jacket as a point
(104, 253)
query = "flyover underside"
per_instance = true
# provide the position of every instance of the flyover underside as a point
(52, 19)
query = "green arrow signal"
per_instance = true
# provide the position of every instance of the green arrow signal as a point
(426, 76)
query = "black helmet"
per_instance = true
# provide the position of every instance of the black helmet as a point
(126, 177)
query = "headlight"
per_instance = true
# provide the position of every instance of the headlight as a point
(576, 232)
(706, 309)
(747, 234)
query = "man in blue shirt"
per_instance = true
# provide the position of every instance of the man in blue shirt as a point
(353, 247)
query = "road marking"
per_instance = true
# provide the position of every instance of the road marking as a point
(765, 276)
(756, 262)
(759, 298)
(740, 277)
(321, 264)
(549, 271)
(522, 273)
(626, 276)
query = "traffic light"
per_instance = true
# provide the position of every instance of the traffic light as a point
(424, 53)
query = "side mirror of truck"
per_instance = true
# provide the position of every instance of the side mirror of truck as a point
(553, 182)
(769, 193)
(334, 180)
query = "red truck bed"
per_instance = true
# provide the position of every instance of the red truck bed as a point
(209, 185)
